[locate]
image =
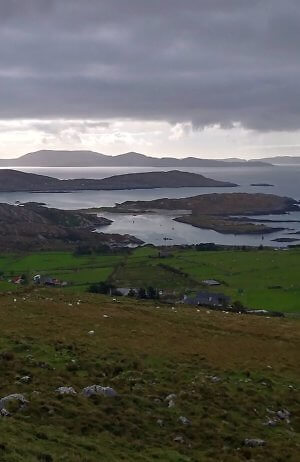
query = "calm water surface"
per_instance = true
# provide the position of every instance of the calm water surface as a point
(155, 228)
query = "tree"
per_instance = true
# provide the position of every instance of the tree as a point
(102, 248)
(131, 293)
(25, 279)
(82, 250)
(152, 293)
(238, 306)
(101, 288)
(142, 293)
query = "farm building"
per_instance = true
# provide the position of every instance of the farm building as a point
(207, 299)
(48, 281)
(126, 290)
(17, 280)
(211, 282)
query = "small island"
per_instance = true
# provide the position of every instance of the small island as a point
(285, 239)
(226, 225)
(262, 184)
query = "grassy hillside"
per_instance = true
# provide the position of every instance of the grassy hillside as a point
(231, 374)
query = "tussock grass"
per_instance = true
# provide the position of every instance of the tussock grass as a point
(145, 353)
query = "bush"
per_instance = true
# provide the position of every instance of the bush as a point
(152, 293)
(82, 250)
(101, 288)
(238, 306)
(141, 293)
(102, 248)
(207, 246)
(132, 293)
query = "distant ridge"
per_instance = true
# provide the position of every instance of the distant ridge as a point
(53, 158)
(281, 160)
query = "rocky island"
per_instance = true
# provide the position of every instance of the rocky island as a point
(14, 180)
(216, 211)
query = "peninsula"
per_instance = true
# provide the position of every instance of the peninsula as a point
(15, 180)
(216, 211)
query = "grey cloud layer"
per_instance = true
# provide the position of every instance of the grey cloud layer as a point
(204, 61)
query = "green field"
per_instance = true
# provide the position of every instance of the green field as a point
(260, 279)
(263, 279)
(78, 271)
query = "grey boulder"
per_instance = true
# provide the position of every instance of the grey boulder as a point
(283, 414)
(184, 420)
(66, 391)
(254, 442)
(99, 390)
(13, 397)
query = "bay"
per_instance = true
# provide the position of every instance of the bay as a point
(161, 229)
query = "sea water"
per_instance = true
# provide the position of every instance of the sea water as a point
(161, 229)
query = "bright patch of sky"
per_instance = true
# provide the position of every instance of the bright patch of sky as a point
(155, 138)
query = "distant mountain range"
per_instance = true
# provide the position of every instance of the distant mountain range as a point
(130, 159)
(14, 180)
(281, 160)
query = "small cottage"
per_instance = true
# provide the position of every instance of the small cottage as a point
(17, 280)
(211, 282)
(124, 291)
(207, 299)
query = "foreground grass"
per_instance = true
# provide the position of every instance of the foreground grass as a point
(145, 353)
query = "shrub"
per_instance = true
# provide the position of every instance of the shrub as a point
(101, 288)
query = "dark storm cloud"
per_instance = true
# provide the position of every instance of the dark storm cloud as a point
(204, 61)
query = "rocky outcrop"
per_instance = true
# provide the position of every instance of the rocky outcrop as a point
(39, 215)
(34, 227)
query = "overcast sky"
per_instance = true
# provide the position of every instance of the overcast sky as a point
(209, 78)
